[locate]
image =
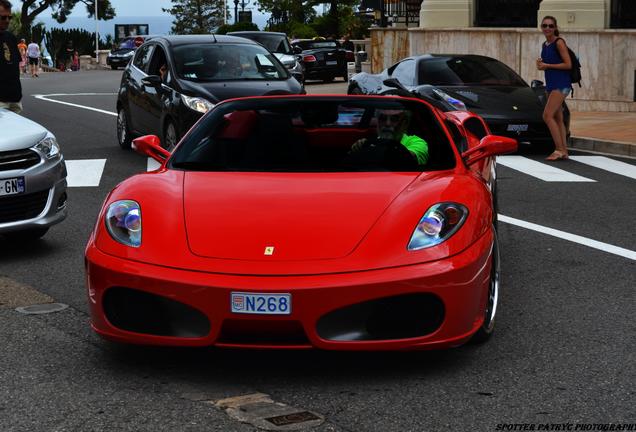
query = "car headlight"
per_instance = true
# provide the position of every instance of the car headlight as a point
(455, 103)
(48, 147)
(197, 104)
(129, 54)
(123, 221)
(438, 223)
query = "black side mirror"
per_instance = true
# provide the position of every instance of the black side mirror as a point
(536, 84)
(394, 83)
(297, 49)
(152, 81)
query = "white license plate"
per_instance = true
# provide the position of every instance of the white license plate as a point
(12, 186)
(517, 128)
(260, 304)
(332, 62)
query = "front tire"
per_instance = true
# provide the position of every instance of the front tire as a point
(355, 90)
(488, 326)
(123, 131)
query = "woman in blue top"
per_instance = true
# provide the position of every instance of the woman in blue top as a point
(556, 63)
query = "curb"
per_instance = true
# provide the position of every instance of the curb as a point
(617, 148)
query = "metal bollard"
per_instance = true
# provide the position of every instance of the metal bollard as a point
(361, 56)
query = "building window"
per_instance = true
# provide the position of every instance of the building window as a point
(623, 14)
(506, 13)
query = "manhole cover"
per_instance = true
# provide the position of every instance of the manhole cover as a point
(288, 419)
(42, 308)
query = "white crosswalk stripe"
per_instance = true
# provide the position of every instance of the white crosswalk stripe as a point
(85, 172)
(540, 170)
(607, 164)
(88, 172)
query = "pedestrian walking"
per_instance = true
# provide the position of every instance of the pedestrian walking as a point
(10, 87)
(75, 63)
(22, 47)
(555, 61)
(33, 52)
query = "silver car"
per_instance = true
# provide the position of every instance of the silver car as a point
(32, 179)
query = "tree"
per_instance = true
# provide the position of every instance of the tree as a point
(61, 10)
(196, 16)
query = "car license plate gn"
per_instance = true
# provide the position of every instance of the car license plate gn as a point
(260, 304)
(332, 62)
(11, 186)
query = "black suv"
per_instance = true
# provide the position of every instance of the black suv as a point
(173, 80)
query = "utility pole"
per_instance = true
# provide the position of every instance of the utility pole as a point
(96, 35)
(236, 2)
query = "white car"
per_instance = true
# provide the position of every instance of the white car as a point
(32, 179)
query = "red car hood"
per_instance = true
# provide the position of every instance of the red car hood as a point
(274, 217)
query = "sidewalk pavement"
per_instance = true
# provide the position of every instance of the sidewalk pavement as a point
(605, 132)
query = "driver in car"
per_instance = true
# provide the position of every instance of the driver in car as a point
(392, 126)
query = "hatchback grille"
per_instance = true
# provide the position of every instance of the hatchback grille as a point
(18, 159)
(21, 207)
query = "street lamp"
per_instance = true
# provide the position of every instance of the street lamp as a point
(96, 35)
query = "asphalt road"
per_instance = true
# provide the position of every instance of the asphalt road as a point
(563, 349)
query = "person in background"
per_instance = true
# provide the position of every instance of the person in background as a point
(347, 44)
(555, 61)
(75, 63)
(68, 56)
(10, 86)
(22, 47)
(33, 52)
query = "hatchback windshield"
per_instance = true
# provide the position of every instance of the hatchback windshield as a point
(466, 71)
(226, 62)
(274, 43)
(316, 134)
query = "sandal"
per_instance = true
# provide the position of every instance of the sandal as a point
(557, 155)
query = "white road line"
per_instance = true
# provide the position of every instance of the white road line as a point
(540, 170)
(607, 164)
(46, 98)
(152, 165)
(626, 253)
(86, 172)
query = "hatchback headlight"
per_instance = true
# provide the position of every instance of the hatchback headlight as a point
(438, 223)
(197, 104)
(123, 221)
(48, 147)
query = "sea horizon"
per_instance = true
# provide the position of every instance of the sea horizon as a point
(157, 24)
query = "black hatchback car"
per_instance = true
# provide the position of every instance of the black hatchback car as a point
(173, 80)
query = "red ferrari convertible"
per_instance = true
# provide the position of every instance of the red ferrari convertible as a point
(332, 222)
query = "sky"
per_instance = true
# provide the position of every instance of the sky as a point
(126, 8)
(134, 8)
(122, 7)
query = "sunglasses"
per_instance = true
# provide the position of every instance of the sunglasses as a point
(394, 118)
(547, 26)
(6, 17)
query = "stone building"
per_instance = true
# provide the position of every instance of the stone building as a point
(601, 32)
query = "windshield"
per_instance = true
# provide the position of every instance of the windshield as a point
(308, 45)
(316, 134)
(227, 62)
(462, 71)
(274, 43)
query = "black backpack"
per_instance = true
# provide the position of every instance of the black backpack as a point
(575, 72)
